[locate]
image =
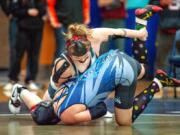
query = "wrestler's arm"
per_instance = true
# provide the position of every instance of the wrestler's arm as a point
(79, 113)
(92, 113)
(102, 34)
(56, 84)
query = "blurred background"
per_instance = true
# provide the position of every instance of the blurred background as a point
(162, 30)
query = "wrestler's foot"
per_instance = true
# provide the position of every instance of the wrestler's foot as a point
(15, 102)
(143, 14)
(147, 12)
(165, 80)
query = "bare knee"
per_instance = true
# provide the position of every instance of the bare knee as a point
(123, 116)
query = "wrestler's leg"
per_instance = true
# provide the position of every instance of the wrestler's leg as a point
(124, 96)
(161, 80)
(42, 112)
(127, 108)
(125, 91)
(20, 93)
(139, 47)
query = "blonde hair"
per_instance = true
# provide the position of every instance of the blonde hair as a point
(77, 30)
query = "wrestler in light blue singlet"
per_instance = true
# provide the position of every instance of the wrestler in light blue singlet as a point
(94, 85)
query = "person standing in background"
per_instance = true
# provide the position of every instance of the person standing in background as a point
(29, 14)
(6, 6)
(62, 13)
(113, 15)
(168, 25)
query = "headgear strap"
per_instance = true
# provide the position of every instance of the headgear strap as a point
(75, 38)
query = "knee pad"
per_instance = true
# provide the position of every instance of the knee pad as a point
(43, 114)
(124, 96)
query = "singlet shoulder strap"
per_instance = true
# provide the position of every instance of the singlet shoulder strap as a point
(58, 72)
(66, 56)
(56, 62)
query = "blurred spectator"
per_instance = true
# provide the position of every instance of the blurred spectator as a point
(64, 12)
(113, 15)
(168, 24)
(6, 5)
(30, 22)
(3, 4)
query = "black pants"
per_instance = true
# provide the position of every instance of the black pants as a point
(27, 41)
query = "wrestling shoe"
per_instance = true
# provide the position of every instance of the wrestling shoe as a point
(15, 102)
(147, 12)
(165, 80)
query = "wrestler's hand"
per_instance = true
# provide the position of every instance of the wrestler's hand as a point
(143, 34)
(45, 18)
(55, 24)
(33, 12)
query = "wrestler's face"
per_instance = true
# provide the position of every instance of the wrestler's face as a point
(83, 58)
(79, 51)
(77, 48)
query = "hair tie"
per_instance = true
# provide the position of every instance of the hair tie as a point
(75, 38)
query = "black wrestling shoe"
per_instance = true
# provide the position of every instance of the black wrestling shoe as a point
(165, 80)
(147, 12)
